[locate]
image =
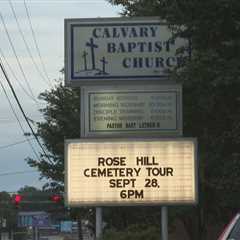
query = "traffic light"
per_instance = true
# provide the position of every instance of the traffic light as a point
(56, 198)
(17, 198)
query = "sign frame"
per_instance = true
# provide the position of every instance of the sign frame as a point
(175, 89)
(99, 204)
(71, 78)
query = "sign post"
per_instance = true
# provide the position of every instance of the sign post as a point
(98, 222)
(164, 223)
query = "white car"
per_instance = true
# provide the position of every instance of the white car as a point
(232, 230)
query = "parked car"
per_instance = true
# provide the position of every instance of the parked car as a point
(232, 230)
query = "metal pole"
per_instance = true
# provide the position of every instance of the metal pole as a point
(34, 233)
(0, 228)
(164, 223)
(98, 222)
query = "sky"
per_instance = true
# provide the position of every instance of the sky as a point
(32, 73)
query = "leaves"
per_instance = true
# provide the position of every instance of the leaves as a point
(211, 101)
(62, 120)
(211, 87)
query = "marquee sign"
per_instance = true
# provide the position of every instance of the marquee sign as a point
(119, 49)
(140, 110)
(130, 172)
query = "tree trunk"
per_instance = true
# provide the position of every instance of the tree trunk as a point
(191, 227)
(194, 224)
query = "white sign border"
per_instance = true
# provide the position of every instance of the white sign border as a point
(85, 133)
(77, 81)
(101, 204)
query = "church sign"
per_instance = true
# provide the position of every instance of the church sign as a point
(130, 172)
(119, 49)
(132, 110)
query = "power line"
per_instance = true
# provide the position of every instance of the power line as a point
(16, 56)
(22, 111)
(35, 40)
(15, 114)
(26, 45)
(8, 120)
(68, 1)
(14, 75)
(16, 173)
(16, 143)
(12, 121)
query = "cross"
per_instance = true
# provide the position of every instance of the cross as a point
(104, 62)
(92, 46)
(85, 60)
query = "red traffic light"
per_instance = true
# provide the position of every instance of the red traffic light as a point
(56, 198)
(17, 199)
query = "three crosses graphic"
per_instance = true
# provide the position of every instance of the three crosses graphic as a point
(92, 47)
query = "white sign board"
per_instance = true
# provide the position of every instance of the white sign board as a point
(131, 110)
(119, 49)
(130, 172)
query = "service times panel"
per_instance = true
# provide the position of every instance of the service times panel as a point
(131, 172)
(139, 110)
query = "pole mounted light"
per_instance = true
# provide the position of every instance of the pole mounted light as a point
(56, 198)
(17, 198)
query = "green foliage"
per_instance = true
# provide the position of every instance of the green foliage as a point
(62, 120)
(34, 199)
(133, 232)
(211, 86)
(121, 217)
(8, 211)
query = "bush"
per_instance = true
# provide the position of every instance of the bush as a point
(134, 232)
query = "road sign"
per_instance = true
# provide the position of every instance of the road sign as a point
(140, 110)
(40, 220)
(120, 49)
(66, 226)
(33, 219)
(130, 172)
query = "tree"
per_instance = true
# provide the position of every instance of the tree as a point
(134, 232)
(211, 96)
(8, 213)
(62, 121)
(33, 199)
(211, 101)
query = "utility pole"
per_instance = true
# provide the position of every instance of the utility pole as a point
(0, 228)
(164, 223)
(98, 222)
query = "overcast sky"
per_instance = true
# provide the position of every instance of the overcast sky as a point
(47, 18)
